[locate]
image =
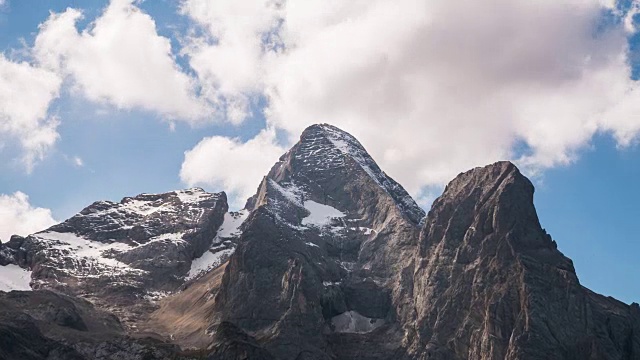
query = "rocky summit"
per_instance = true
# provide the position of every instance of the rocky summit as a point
(330, 259)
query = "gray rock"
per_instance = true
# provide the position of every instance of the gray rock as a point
(297, 268)
(43, 325)
(231, 343)
(480, 280)
(334, 261)
(122, 256)
(489, 282)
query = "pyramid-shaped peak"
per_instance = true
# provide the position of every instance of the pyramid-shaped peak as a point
(325, 128)
(327, 159)
(332, 144)
(338, 137)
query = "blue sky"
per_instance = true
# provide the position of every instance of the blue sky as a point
(430, 89)
(590, 209)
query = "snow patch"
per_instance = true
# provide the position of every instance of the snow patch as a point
(154, 296)
(320, 215)
(208, 261)
(143, 208)
(175, 238)
(13, 277)
(214, 257)
(364, 230)
(312, 244)
(192, 196)
(353, 322)
(75, 246)
(231, 225)
(290, 192)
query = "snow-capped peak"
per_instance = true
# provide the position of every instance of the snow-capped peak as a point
(141, 245)
(323, 148)
(193, 195)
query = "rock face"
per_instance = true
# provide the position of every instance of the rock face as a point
(124, 255)
(43, 325)
(231, 343)
(489, 282)
(319, 255)
(334, 264)
(330, 259)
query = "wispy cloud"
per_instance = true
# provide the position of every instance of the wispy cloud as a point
(77, 161)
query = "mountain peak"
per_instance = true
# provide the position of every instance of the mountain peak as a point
(490, 180)
(486, 266)
(148, 243)
(327, 158)
(332, 132)
(332, 259)
(499, 195)
(339, 139)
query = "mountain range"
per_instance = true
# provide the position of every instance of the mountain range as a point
(330, 259)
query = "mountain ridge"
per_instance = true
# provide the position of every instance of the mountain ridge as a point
(332, 259)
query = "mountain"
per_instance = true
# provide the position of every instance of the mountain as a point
(330, 259)
(123, 256)
(490, 283)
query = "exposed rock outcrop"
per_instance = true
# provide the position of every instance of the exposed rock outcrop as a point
(321, 255)
(124, 256)
(331, 259)
(490, 283)
(39, 325)
(481, 280)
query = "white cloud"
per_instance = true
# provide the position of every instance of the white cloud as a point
(77, 161)
(120, 60)
(431, 88)
(229, 62)
(25, 95)
(231, 165)
(628, 18)
(19, 217)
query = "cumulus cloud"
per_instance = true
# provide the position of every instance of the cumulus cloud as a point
(229, 61)
(119, 60)
(26, 93)
(19, 217)
(230, 164)
(430, 88)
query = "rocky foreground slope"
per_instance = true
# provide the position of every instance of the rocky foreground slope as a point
(330, 259)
